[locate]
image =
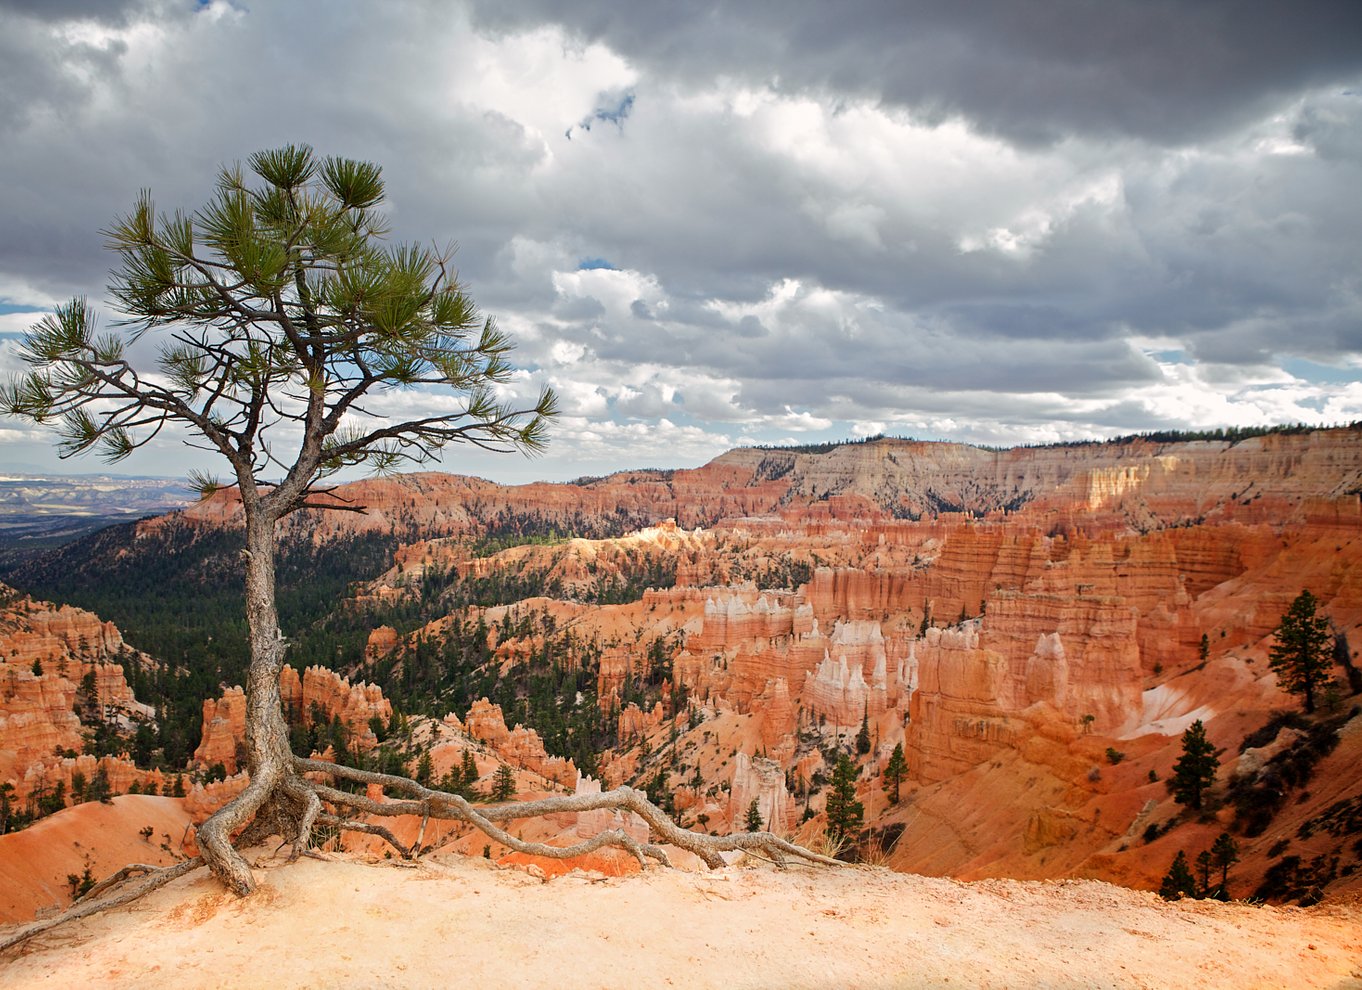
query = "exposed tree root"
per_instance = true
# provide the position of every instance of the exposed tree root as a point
(85, 907)
(293, 807)
(442, 804)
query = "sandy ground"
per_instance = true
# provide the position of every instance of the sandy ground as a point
(450, 921)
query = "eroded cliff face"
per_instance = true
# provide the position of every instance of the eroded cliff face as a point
(1045, 612)
(1011, 618)
(57, 663)
(318, 696)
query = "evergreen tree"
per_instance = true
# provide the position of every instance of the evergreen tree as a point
(470, 774)
(279, 312)
(845, 813)
(863, 737)
(1194, 772)
(1224, 854)
(1178, 882)
(1302, 653)
(1203, 869)
(425, 769)
(754, 822)
(503, 784)
(99, 789)
(894, 772)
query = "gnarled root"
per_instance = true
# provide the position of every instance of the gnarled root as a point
(291, 806)
(152, 879)
(423, 801)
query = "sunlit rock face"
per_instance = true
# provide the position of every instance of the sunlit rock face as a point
(319, 694)
(1007, 616)
(57, 663)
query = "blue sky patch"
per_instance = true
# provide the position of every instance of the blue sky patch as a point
(1311, 371)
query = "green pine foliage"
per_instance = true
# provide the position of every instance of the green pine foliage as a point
(894, 772)
(1224, 854)
(754, 822)
(503, 783)
(1303, 652)
(1194, 772)
(845, 813)
(1178, 882)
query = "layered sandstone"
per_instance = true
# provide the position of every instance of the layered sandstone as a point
(519, 746)
(56, 664)
(1008, 616)
(319, 695)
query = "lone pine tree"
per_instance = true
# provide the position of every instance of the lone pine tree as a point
(1194, 772)
(863, 736)
(894, 772)
(845, 813)
(1178, 882)
(1224, 854)
(278, 311)
(1302, 653)
(754, 822)
(503, 783)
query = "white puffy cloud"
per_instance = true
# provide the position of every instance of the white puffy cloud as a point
(710, 231)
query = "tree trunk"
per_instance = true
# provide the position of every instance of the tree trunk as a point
(275, 804)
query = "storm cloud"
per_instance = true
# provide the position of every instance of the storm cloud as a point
(708, 224)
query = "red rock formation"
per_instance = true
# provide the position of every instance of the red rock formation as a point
(763, 781)
(70, 649)
(635, 723)
(318, 690)
(1009, 615)
(520, 746)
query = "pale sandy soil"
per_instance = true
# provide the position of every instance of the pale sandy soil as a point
(451, 921)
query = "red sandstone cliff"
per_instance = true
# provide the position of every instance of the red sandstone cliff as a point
(1007, 616)
(54, 662)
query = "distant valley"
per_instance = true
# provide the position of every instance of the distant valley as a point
(1012, 643)
(39, 511)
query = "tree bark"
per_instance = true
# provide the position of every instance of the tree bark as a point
(275, 806)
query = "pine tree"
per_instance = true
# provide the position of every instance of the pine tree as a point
(503, 784)
(754, 822)
(1203, 869)
(863, 737)
(845, 813)
(470, 774)
(279, 312)
(425, 770)
(1194, 773)
(1302, 652)
(894, 772)
(1178, 882)
(1224, 854)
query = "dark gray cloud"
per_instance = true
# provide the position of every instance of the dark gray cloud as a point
(1159, 70)
(99, 11)
(993, 222)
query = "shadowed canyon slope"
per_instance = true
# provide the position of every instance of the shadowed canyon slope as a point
(1028, 624)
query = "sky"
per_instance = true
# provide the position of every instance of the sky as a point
(710, 225)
